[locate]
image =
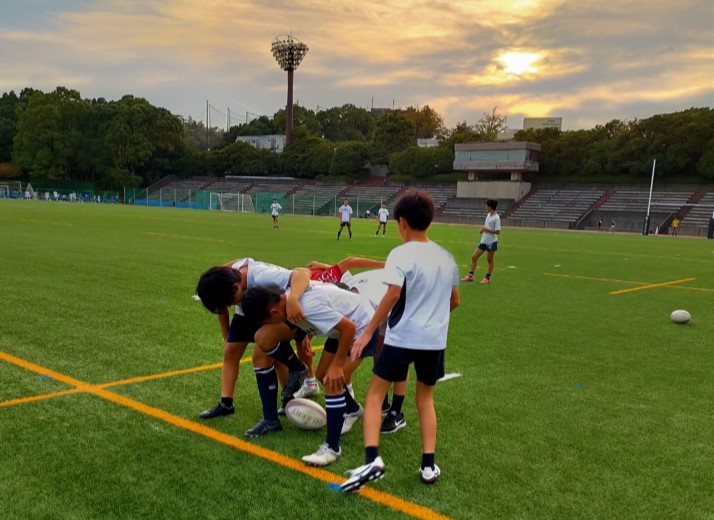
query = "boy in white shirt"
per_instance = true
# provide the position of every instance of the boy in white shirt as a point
(275, 208)
(382, 216)
(489, 242)
(340, 315)
(423, 289)
(344, 213)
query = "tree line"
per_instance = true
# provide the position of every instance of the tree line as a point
(59, 135)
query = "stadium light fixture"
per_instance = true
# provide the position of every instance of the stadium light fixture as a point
(288, 52)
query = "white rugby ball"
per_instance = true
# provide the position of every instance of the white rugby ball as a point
(680, 316)
(306, 414)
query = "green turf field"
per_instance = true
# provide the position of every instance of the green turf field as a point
(574, 402)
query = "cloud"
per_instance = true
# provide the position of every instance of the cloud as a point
(592, 61)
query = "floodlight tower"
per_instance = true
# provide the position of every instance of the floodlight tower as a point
(288, 52)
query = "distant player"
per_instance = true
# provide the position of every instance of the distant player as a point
(675, 226)
(344, 213)
(612, 225)
(489, 242)
(599, 224)
(275, 208)
(382, 216)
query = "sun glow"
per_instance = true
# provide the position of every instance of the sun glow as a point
(519, 63)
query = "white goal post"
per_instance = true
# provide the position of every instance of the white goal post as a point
(7, 187)
(231, 202)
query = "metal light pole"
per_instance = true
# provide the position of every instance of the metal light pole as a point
(288, 52)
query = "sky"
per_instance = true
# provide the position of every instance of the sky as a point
(587, 61)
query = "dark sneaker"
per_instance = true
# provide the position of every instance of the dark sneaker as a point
(220, 410)
(295, 380)
(263, 427)
(393, 422)
(360, 476)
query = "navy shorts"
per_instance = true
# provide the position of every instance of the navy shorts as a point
(488, 247)
(343, 224)
(243, 330)
(393, 364)
(332, 343)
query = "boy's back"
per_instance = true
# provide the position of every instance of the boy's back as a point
(426, 273)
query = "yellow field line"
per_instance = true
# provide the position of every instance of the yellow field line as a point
(705, 289)
(41, 397)
(141, 379)
(595, 279)
(650, 286)
(393, 502)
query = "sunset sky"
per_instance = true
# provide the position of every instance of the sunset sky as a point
(584, 60)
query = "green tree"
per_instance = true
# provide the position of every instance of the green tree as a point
(427, 122)
(349, 158)
(345, 123)
(393, 132)
(490, 125)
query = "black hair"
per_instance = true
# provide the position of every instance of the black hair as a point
(216, 287)
(417, 208)
(255, 303)
(492, 203)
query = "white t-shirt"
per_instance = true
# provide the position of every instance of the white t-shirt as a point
(492, 222)
(262, 274)
(426, 272)
(383, 214)
(346, 212)
(275, 209)
(371, 285)
(324, 305)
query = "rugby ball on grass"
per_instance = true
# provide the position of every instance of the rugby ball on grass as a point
(306, 414)
(680, 316)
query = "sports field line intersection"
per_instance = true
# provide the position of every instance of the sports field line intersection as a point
(674, 284)
(100, 390)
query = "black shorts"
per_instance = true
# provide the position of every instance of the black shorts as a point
(489, 247)
(331, 345)
(393, 364)
(343, 224)
(243, 330)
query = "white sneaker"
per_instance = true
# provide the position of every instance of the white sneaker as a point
(308, 390)
(323, 456)
(429, 475)
(360, 476)
(351, 419)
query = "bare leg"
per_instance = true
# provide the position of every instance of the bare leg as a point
(474, 259)
(427, 416)
(232, 354)
(489, 257)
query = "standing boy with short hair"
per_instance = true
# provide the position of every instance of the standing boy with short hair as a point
(489, 242)
(423, 289)
(382, 216)
(275, 208)
(344, 213)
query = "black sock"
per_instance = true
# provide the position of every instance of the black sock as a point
(385, 403)
(351, 405)
(370, 453)
(335, 408)
(488, 276)
(267, 381)
(427, 460)
(471, 273)
(283, 352)
(227, 402)
(397, 401)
